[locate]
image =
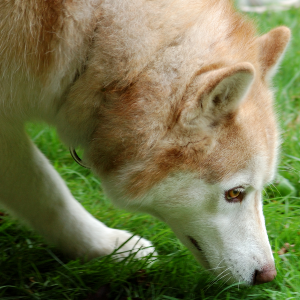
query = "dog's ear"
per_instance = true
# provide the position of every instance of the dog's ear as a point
(220, 94)
(272, 46)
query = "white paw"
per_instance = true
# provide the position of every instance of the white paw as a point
(125, 244)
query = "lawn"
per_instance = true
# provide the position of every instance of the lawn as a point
(30, 269)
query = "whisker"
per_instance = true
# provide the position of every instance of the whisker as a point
(217, 280)
(217, 267)
(224, 282)
(219, 277)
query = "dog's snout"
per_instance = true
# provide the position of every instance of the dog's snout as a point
(265, 275)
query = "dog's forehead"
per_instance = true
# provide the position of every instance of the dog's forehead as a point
(255, 174)
(249, 143)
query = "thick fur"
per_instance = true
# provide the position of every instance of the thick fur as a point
(170, 100)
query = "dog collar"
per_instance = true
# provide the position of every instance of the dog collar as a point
(77, 158)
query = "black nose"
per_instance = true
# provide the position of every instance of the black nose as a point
(265, 275)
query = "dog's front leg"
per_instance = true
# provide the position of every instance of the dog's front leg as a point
(34, 192)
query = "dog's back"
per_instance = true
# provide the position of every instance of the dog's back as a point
(43, 45)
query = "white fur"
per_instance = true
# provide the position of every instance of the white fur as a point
(232, 236)
(35, 192)
(30, 187)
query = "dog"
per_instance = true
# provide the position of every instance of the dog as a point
(172, 103)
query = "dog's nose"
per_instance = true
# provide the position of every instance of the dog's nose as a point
(265, 275)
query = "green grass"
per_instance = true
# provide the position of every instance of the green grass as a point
(30, 269)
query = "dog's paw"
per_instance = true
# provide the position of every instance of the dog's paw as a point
(126, 244)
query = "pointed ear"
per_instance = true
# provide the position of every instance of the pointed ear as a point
(272, 46)
(220, 95)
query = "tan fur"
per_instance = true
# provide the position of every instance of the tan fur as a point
(43, 35)
(171, 102)
(137, 122)
(271, 47)
(30, 41)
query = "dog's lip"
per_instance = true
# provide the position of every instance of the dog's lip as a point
(195, 243)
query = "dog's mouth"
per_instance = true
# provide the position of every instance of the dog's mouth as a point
(201, 257)
(195, 243)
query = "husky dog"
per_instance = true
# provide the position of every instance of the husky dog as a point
(171, 102)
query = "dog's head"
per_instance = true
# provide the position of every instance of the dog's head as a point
(199, 160)
(194, 144)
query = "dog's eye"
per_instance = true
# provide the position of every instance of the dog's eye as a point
(235, 195)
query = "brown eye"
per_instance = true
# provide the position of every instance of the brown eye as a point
(235, 195)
